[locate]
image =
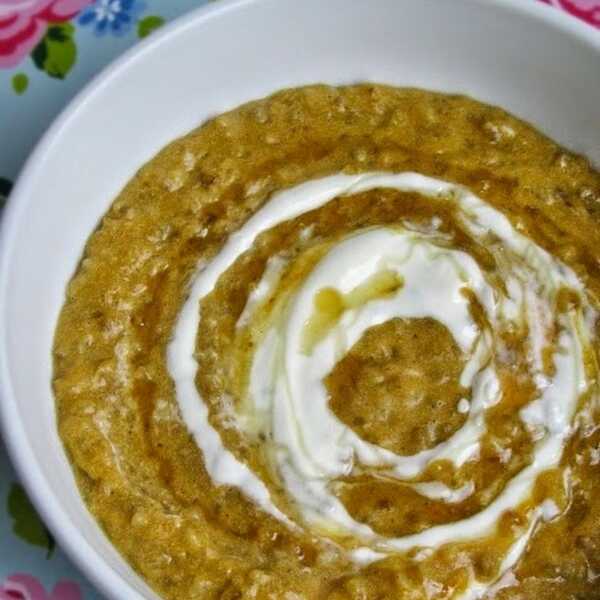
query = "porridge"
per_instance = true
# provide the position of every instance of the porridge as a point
(340, 343)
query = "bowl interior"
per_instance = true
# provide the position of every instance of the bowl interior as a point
(524, 57)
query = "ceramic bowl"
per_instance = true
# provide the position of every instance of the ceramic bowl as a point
(521, 55)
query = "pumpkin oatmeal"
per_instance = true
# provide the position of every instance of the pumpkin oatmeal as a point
(341, 343)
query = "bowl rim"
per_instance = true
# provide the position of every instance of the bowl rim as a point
(103, 577)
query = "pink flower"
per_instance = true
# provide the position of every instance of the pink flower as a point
(26, 587)
(587, 10)
(24, 22)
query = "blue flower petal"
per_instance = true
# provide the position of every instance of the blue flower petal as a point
(121, 24)
(101, 27)
(124, 14)
(86, 17)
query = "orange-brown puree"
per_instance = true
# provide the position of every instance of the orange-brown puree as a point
(139, 469)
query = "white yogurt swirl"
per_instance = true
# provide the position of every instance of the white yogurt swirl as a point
(314, 448)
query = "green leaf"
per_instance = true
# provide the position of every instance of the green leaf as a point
(26, 523)
(5, 188)
(60, 33)
(20, 82)
(56, 53)
(148, 24)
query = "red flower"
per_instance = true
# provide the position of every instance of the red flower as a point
(23, 23)
(586, 10)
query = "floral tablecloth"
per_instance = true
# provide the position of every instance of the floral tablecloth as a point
(48, 50)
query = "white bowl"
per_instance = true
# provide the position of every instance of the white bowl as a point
(519, 54)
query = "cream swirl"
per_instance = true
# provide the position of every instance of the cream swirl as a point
(311, 447)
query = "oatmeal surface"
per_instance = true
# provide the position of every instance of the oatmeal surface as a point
(482, 202)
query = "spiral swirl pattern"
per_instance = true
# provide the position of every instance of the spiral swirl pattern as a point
(386, 273)
(341, 343)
